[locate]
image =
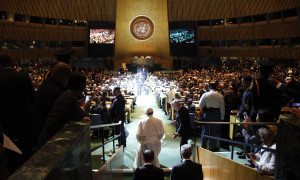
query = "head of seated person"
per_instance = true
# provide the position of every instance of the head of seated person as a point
(264, 115)
(267, 136)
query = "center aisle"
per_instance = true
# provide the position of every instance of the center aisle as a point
(169, 155)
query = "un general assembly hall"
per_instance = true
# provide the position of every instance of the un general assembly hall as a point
(149, 89)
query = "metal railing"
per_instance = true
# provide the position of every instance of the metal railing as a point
(104, 142)
(233, 142)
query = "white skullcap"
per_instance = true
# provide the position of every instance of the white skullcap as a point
(149, 110)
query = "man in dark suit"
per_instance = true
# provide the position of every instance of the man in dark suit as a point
(183, 120)
(268, 96)
(66, 108)
(48, 92)
(148, 171)
(188, 169)
(16, 114)
(117, 113)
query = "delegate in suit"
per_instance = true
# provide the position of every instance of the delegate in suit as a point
(148, 171)
(183, 120)
(117, 113)
(187, 169)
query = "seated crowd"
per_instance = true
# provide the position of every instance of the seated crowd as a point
(51, 96)
(256, 94)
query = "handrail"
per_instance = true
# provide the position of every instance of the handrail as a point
(249, 123)
(106, 142)
(105, 125)
(102, 138)
(232, 142)
(240, 143)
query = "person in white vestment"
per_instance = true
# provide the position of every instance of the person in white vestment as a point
(149, 134)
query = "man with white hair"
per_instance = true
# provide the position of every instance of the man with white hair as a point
(149, 134)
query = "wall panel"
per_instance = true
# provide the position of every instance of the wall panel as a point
(266, 31)
(101, 10)
(219, 9)
(157, 45)
(276, 53)
(217, 167)
(179, 10)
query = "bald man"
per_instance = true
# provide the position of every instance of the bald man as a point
(48, 92)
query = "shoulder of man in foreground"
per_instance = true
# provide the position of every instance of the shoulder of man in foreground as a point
(144, 167)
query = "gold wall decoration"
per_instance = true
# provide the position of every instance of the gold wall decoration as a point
(142, 30)
(141, 27)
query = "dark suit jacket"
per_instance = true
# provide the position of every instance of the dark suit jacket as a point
(184, 128)
(65, 109)
(187, 170)
(46, 96)
(148, 172)
(289, 91)
(16, 114)
(117, 109)
(249, 105)
(268, 97)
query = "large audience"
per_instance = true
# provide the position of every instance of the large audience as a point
(187, 85)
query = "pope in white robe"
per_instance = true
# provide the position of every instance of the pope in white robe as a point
(149, 135)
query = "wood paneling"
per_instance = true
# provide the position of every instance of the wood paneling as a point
(190, 10)
(27, 32)
(15, 31)
(178, 10)
(217, 167)
(261, 52)
(265, 31)
(96, 10)
(35, 54)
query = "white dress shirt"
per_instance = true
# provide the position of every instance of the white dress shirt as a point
(265, 160)
(213, 99)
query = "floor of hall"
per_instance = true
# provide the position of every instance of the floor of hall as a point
(170, 153)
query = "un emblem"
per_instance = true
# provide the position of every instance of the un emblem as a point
(141, 27)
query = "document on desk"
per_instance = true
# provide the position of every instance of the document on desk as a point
(8, 144)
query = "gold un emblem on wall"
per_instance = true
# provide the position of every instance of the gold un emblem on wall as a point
(141, 27)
